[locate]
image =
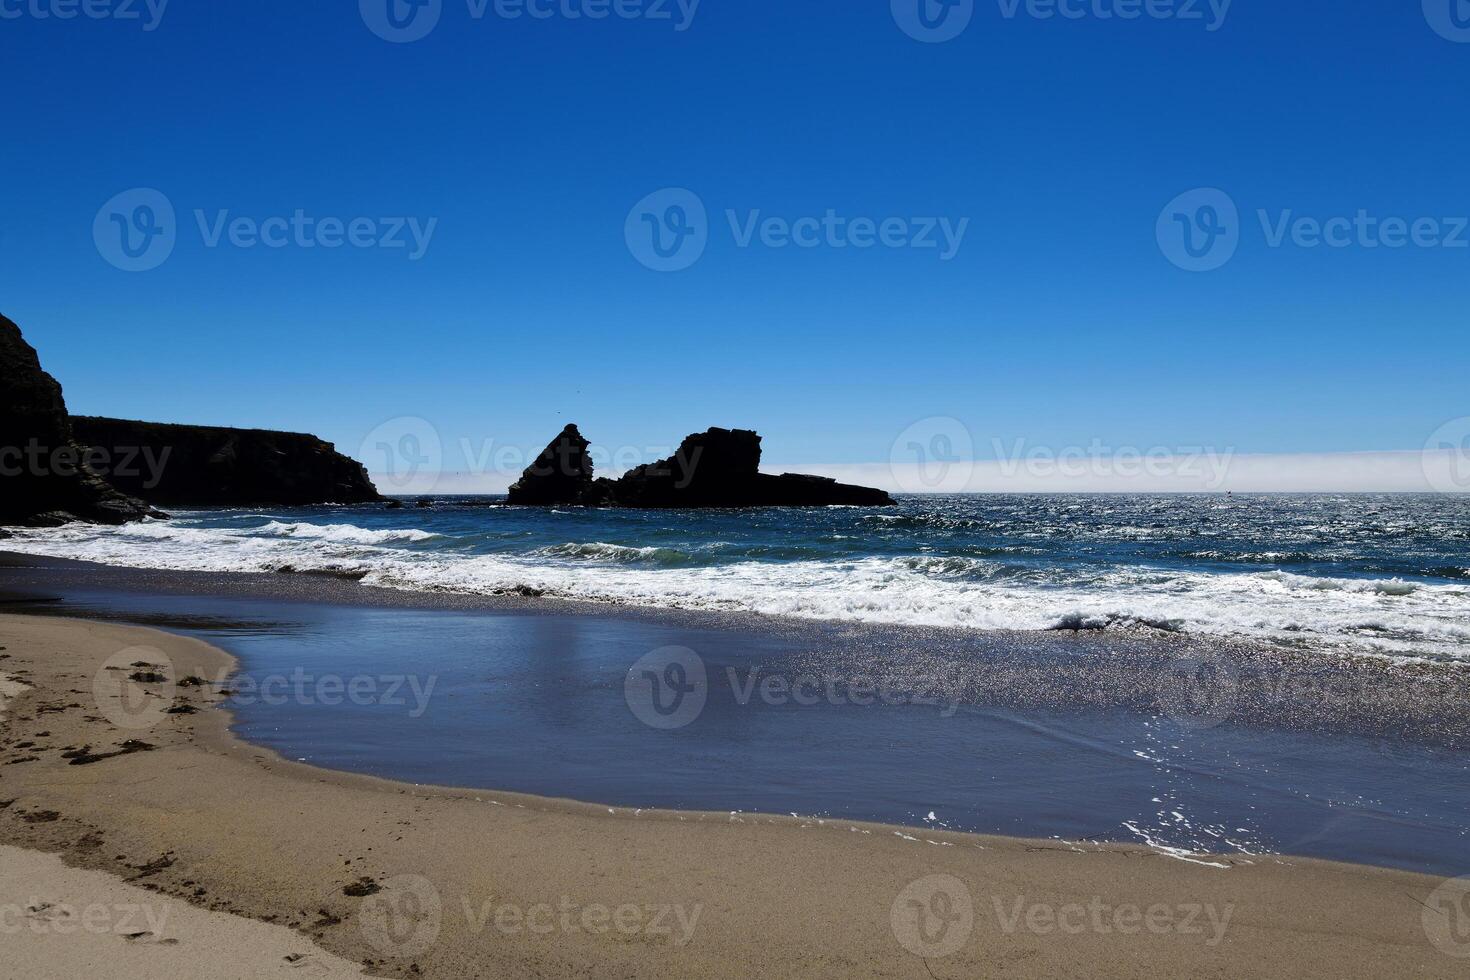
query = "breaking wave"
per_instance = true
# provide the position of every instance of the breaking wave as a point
(1036, 572)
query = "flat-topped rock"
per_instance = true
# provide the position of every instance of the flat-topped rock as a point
(204, 465)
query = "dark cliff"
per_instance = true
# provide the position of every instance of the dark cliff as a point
(717, 468)
(212, 466)
(46, 478)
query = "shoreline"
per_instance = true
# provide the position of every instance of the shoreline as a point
(1293, 690)
(796, 896)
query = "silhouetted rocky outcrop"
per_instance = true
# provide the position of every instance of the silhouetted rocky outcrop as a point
(55, 468)
(562, 474)
(202, 465)
(717, 468)
(46, 478)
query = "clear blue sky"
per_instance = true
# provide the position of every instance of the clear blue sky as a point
(1059, 320)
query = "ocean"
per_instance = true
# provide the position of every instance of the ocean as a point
(1384, 576)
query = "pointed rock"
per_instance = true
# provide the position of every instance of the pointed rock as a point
(562, 474)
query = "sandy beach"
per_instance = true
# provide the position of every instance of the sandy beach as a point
(422, 881)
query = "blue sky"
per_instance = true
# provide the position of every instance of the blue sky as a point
(1059, 320)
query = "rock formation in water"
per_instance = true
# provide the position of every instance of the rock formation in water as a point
(46, 477)
(562, 474)
(210, 466)
(717, 468)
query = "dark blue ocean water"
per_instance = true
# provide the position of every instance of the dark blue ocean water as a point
(1367, 574)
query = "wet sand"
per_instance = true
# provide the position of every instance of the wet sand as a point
(414, 880)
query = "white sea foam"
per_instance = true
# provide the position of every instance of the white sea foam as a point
(344, 533)
(1375, 616)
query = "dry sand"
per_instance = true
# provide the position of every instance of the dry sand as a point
(57, 921)
(414, 880)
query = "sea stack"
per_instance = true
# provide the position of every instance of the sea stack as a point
(562, 474)
(718, 468)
